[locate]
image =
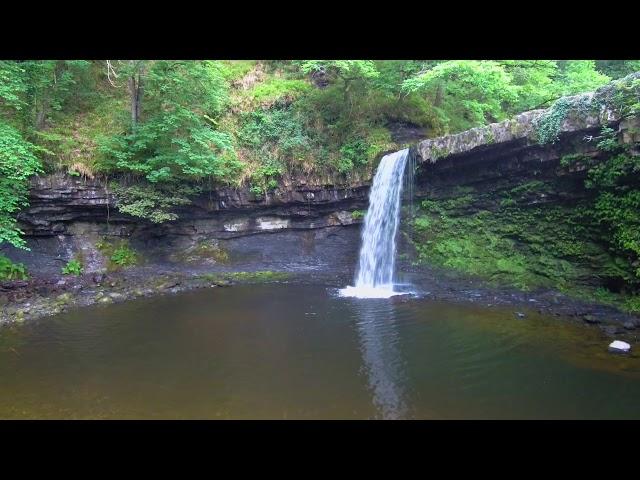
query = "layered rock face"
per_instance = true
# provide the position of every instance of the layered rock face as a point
(511, 150)
(514, 201)
(306, 224)
(68, 215)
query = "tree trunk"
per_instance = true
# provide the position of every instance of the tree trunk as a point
(41, 115)
(135, 92)
(439, 95)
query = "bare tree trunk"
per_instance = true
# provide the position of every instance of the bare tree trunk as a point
(135, 92)
(41, 114)
(439, 95)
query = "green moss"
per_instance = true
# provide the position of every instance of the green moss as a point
(422, 223)
(205, 251)
(528, 247)
(437, 152)
(264, 276)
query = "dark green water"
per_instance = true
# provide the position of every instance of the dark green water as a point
(299, 351)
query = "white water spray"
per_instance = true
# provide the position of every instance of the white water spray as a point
(374, 278)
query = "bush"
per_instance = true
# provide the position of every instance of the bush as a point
(73, 267)
(279, 88)
(123, 256)
(12, 271)
(358, 214)
(119, 253)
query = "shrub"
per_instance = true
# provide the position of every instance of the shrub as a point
(119, 253)
(124, 256)
(73, 267)
(279, 88)
(12, 271)
(358, 214)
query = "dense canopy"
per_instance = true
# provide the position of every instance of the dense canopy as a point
(165, 129)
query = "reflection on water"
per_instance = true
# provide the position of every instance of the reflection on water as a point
(303, 352)
(381, 355)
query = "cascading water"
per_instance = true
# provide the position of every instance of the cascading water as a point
(374, 277)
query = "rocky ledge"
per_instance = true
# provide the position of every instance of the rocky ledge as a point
(584, 114)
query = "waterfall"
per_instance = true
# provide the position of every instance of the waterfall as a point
(374, 277)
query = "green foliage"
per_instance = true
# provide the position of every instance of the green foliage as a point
(580, 76)
(617, 68)
(119, 253)
(473, 91)
(236, 69)
(358, 214)
(422, 223)
(549, 124)
(73, 267)
(528, 187)
(123, 256)
(18, 162)
(176, 138)
(345, 70)
(617, 206)
(572, 159)
(354, 152)
(535, 81)
(633, 304)
(154, 202)
(275, 128)
(13, 85)
(265, 177)
(526, 246)
(279, 89)
(608, 140)
(12, 271)
(257, 122)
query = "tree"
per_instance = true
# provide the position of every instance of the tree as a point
(49, 86)
(467, 92)
(18, 162)
(133, 71)
(175, 138)
(580, 76)
(535, 81)
(617, 68)
(346, 72)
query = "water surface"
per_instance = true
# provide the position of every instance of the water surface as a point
(294, 351)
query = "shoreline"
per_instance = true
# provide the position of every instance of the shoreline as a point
(46, 296)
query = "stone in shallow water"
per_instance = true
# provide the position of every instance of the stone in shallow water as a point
(619, 347)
